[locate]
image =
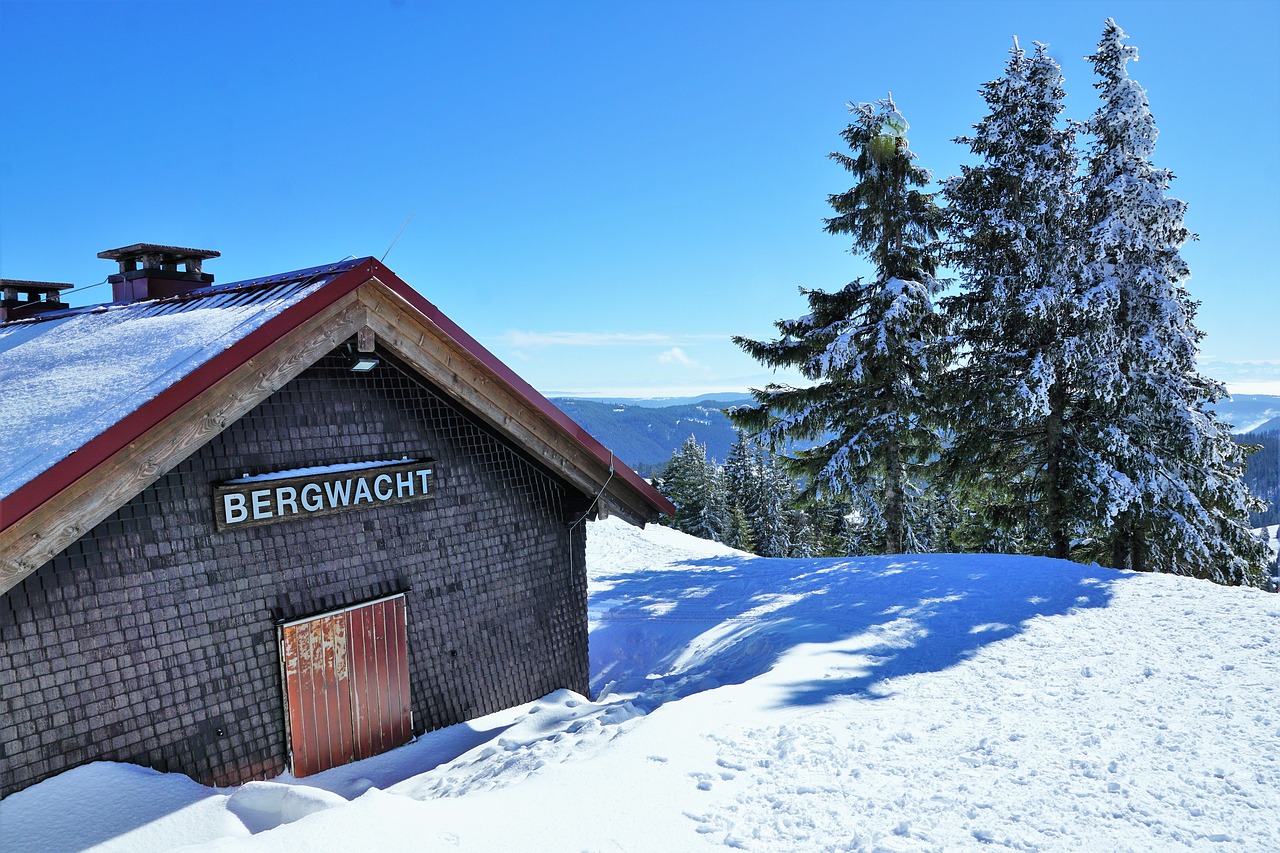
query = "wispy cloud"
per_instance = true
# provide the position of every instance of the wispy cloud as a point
(643, 392)
(675, 355)
(522, 339)
(1270, 388)
(728, 385)
(1260, 367)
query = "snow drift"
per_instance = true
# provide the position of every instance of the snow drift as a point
(894, 704)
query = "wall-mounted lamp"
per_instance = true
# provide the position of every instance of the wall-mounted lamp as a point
(364, 359)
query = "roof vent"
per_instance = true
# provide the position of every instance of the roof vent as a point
(148, 271)
(26, 298)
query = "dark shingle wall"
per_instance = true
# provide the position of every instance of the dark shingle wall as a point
(153, 640)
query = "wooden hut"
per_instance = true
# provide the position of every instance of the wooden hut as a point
(280, 524)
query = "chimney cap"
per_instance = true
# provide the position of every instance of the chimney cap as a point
(23, 284)
(36, 297)
(151, 260)
(177, 253)
(150, 271)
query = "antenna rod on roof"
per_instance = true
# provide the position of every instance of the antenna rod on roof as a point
(397, 237)
(87, 286)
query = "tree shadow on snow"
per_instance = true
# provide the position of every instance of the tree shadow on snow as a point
(669, 633)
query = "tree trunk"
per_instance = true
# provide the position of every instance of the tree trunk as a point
(1054, 492)
(1138, 552)
(1120, 537)
(894, 527)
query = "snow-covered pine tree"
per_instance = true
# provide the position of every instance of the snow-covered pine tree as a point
(694, 485)
(829, 521)
(1023, 447)
(806, 541)
(737, 533)
(1186, 511)
(756, 482)
(741, 482)
(738, 470)
(868, 349)
(719, 509)
(772, 494)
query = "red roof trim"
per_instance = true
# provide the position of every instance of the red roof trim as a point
(67, 471)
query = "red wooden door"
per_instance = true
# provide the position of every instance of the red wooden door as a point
(346, 684)
(379, 675)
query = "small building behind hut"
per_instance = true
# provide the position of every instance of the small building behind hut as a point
(276, 525)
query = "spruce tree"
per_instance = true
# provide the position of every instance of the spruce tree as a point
(830, 520)
(693, 485)
(738, 468)
(1023, 448)
(869, 348)
(756, 483)
(737, 532)
(773, 495)
(742, 489)
(805, 541)
(1186, 507)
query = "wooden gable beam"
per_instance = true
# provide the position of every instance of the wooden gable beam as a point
(416, 340)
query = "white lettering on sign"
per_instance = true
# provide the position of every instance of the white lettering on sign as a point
(233, 508)
(312, 497)
(404, 484)
(338, 492)
(286, 500)
(261, 500)
(267, 498)
(362, 491)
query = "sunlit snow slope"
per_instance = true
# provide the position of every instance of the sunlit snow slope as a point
(893, 704)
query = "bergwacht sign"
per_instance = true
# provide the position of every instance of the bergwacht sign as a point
(314, 492)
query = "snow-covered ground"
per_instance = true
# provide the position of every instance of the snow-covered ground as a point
(888, 704)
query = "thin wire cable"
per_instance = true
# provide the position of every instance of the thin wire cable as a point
(87, 286)
(397, 237)
(596, 499)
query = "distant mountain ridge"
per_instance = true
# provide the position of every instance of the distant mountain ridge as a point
(1266, 426)
(644, 436)
(719, 399)
(644, 432)
(1250, 412)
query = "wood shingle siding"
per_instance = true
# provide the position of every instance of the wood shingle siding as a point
(147, 637)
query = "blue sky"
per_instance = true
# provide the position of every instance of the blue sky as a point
(602, 193)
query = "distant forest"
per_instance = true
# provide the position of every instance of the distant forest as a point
(646, 437)
(1263, 475)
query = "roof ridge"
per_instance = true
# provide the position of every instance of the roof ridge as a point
(199, 293)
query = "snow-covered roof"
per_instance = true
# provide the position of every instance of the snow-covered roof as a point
(69, 375)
